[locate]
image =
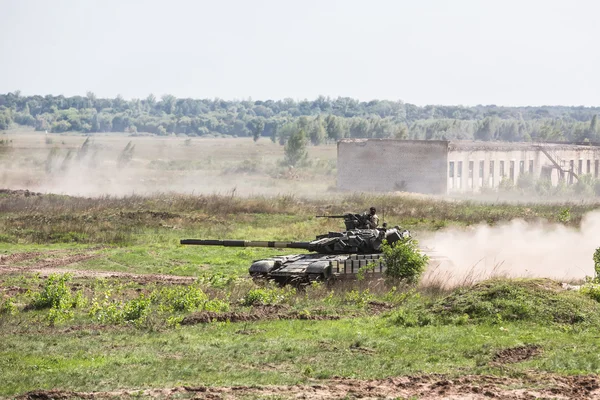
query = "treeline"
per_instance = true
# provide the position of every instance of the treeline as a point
(323, 119)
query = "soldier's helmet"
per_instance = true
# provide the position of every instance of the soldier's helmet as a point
(372, 210)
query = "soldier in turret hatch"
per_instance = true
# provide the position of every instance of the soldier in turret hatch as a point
(371, 220)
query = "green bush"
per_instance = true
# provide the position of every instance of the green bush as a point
(9, 307)
(358, 298)
(592, 290)
(263, 296)
(404, 261)
(596, 258)
(55, 293)
(136, 309)
(536, 300)
(188, 298)
(506, 184)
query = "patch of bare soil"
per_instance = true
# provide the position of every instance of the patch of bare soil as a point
(378, 307)
(50, 264)
(516, 354)
(8, 259)
(10, 262)
(426, 387)
(276, 312)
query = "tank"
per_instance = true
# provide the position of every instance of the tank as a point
(331, 256)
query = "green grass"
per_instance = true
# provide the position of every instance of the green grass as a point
(83, 353)
(281, 352)
(131, 338)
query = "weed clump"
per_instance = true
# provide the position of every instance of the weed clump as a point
(267, 296)
(501, 300)
(535, 300)
(56, 295)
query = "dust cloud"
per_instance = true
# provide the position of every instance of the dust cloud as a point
(514, 249)
(63, 164)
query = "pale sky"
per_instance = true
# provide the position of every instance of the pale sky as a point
(527, 52)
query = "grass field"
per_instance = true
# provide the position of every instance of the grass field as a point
(57, 163)
(99, 300)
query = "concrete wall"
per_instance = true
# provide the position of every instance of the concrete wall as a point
(495, 165)
(527, 160)
(441, 167)
(390, 165)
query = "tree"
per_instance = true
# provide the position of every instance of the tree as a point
(126, 155)
(168, 102)
(401, 132)
(150, 102)
(334, 128)
(317, 131)
(486, 130)
(295, 149)
(91, 98)
(256, 126)
(594, 125)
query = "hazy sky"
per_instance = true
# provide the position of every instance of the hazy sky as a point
(536, 52)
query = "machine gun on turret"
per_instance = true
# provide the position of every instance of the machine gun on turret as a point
(351, 220)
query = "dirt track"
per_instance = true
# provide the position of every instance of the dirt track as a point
(432, 387)
(54, 262)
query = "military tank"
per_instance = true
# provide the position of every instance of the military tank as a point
(331, 256)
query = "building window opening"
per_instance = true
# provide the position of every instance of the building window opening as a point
(572, 171)
(471, 167)
(512, 171)
(451, 174)
(459, 173)
(501, 169)
(596, 167)
(491, 177)
(531, 167)
(580, 167)
(589, 167)
(521, 167)
(481, 168)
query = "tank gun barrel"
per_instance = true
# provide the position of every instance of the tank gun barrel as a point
(246, 243)
(331, 216)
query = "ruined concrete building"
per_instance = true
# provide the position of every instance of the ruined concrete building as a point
(443, 167)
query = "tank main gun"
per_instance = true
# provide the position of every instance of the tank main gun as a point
(247, 243)
(356, 241)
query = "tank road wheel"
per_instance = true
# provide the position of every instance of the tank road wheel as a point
(259, 277)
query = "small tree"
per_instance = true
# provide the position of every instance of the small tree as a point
(597, 264)
(295, 149)
(126, 155)
(404, 261)
(256, 126)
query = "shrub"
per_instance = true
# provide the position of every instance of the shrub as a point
(263, 296)
(596, 258)
(404, 261)
(9, 307)
(564, 216)
(592, 290)
(187, 298)
(136, 309)
(359, 298)
(55, 293)
(536, 300)
(506, 184)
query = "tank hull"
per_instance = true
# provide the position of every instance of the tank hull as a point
(315, 267)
